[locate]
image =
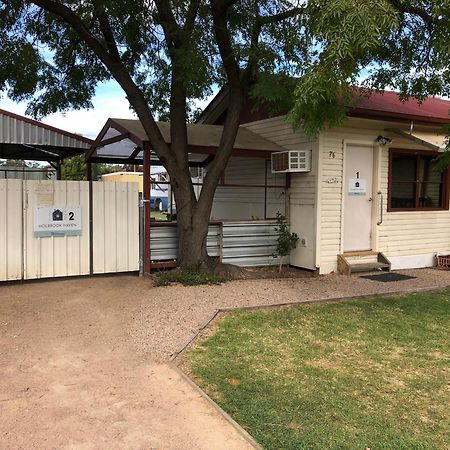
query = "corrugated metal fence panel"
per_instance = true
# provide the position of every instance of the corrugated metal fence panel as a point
(115, 227)
(55, 256)
(10, 230)
(249, 243)
(243, 243)
(164, 242)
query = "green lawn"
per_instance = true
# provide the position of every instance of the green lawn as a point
(157, 215)
(355, 375)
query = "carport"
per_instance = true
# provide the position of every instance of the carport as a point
(124, 141)
(23, 138)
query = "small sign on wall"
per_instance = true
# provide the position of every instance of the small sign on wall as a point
(357, 186)
(57, 221)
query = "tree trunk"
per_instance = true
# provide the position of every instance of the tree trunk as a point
(193, 224)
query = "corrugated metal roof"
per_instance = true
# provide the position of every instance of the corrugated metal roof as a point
(385, 104)
(16, 129)
(366, 103)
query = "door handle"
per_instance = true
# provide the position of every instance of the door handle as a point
(381, 208)
(370, 199)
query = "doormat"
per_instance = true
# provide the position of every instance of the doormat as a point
(387, 277)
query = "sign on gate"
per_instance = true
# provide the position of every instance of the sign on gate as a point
(57, 221)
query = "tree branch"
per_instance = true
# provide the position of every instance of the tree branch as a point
(117, 70)
(231, 66)
(265, 20)
(191, 16)
(176, 36)
(100, 14)
(258, 25)
(414, 10)
(168, 22)
(235, 99)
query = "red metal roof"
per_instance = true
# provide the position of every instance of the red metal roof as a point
(370, 104)
(384, 105)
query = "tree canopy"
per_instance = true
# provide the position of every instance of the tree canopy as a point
(327, 44)
(74, 168)
(166, 54)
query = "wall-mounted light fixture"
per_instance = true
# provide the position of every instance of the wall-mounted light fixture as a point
(383, 140)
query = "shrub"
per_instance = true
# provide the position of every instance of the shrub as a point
(188, 278)
(286, 241)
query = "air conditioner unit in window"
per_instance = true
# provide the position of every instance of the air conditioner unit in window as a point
(291, 161)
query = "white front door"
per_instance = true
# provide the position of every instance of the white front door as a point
(358, 198)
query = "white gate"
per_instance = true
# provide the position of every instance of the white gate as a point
(26, 254)
(11, 210)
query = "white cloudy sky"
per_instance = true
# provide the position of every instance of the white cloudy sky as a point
(109, 101)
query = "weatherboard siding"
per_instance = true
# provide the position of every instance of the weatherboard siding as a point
(402, 234)
(303, 186)
(411, 233)
(247, 203)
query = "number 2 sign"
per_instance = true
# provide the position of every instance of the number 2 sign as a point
(57, 221)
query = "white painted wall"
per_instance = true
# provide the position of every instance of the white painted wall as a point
(409, 239)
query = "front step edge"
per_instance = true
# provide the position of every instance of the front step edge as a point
(345, 267)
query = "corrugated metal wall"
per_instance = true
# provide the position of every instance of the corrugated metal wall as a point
(241, 243)
(164, 242)
(249, 243)
(115, 224)
(32, 174)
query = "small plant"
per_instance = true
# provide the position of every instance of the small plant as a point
(188, 278)
(286, 241)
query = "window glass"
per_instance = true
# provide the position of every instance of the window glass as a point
(430, 195)
(404, 167)
(427, 170)
(403, 195)
(415, 182)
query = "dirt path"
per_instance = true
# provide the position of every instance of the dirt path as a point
(71, 376)
(83, 361)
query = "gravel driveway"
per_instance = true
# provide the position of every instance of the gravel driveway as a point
(167, 317)
(83, 360)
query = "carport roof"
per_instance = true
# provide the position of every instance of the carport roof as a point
(25, 138)
(122, 140)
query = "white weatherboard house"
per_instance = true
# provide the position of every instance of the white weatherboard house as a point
(365, 195)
